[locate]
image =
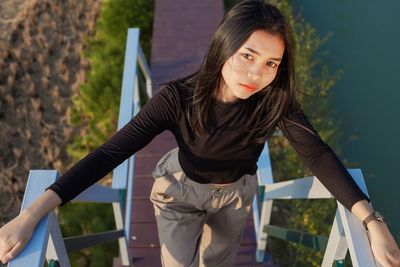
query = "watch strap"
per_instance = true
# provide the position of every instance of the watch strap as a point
(373, 216)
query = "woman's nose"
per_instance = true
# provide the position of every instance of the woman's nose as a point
(254, 72)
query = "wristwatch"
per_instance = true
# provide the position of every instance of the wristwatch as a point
(374, 216)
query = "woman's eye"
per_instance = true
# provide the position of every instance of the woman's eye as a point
(246, 55)
(249, 57)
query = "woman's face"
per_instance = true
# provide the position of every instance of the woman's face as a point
(252, 67)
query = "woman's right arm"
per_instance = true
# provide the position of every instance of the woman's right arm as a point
(15, 234)
(157, 115)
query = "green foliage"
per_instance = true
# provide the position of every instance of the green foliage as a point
(89, 218)
(95, 107)
(95, 110)
(315, 83)
(228, 4)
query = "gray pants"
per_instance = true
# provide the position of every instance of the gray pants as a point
(198, 224)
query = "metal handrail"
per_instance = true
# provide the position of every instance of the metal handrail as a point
(347, 230)
(46, 241)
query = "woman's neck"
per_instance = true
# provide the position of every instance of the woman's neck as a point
(224, 95)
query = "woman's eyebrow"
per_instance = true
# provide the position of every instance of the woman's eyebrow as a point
(255, 52)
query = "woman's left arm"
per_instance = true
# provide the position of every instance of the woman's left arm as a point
(324, 163)
(383, 245)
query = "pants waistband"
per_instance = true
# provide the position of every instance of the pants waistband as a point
(210, 186)
(172, 161)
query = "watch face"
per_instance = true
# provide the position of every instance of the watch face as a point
(379, 216)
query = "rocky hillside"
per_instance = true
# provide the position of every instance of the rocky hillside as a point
(41, 67)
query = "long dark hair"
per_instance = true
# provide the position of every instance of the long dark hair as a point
(275, 100)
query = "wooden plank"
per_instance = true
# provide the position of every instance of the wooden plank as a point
(142, 186)
(144, 235)
(181, 33)
(246, 257)
(143, 211)
(158, 146)
(143, 257)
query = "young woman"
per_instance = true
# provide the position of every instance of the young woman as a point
(221, 117)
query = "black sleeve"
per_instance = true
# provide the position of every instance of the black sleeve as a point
(157, 115)
(320, 158)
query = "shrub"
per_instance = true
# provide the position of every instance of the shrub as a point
(95, 110)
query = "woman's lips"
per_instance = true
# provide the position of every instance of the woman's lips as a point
(248, 87)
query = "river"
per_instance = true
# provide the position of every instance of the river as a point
(366, 46)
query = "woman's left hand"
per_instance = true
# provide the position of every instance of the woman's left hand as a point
(383, 245)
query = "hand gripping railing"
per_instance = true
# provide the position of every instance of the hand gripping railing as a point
(347, 232)
(47, 241)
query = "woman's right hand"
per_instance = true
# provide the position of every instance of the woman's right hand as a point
(15, 235)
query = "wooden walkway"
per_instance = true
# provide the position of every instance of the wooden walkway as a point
(181, 33)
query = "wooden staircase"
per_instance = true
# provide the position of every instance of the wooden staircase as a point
(181, 33)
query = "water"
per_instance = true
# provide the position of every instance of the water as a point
(365, 45)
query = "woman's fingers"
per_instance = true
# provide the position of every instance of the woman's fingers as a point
(390, 260)
(394, 258)
(13, 252)
(14, 236)
(383, 261)
(5, 246)
(4, 249)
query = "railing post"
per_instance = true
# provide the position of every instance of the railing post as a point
(261, 219)
(55, 247)
(131, 166)
(347, 231)
(122, 173)
(34, 252)
(356, 236)
(337, 245)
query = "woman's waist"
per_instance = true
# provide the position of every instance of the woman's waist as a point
(212, 165)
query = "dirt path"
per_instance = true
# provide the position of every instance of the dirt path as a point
(41, 68)
(9, 10)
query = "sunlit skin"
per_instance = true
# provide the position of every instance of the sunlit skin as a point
(265, 51)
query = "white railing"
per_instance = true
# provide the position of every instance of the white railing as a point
(47, 241)
(347, 232)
